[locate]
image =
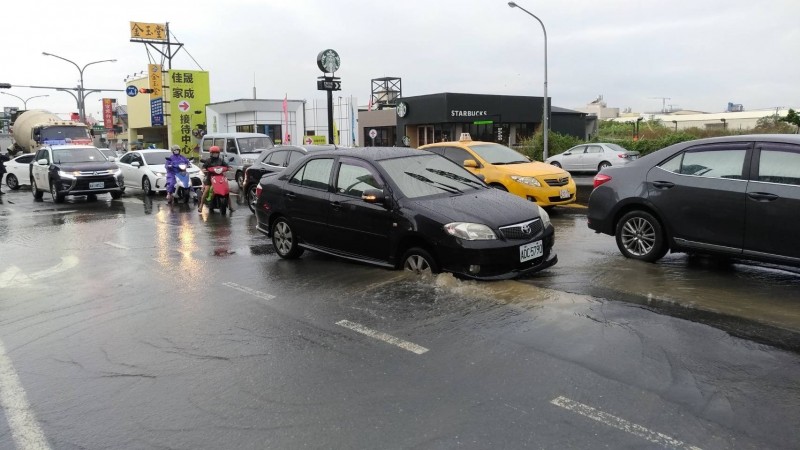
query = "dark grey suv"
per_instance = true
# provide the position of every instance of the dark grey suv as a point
(736, 196)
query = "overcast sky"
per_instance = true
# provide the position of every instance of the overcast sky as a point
(698, 54)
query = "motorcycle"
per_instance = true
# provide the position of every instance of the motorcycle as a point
(184, 190)
(219, 194)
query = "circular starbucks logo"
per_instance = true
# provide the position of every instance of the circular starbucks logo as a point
(328, 61)
(402, 109)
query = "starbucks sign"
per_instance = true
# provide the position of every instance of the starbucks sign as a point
(328, 61)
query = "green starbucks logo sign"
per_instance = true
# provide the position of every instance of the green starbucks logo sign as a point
(328, 61)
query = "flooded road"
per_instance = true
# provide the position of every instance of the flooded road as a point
(133, 324)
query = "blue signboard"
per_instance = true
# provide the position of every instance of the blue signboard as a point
(132, 91)
(157, 112)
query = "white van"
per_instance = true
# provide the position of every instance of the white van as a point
(244, 148)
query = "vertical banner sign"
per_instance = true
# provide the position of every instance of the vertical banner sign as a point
(157, 112)
(154, 71)
(108, 114)
(188, 96)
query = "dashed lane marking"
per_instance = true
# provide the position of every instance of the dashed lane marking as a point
(25, 430)
(621, 424)
(115, 245)
(247, 290)
(389, 339)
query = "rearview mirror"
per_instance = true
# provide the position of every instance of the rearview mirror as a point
(471, 163)
(136, 164)
(42, 162)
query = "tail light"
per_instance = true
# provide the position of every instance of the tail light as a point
(600, 179)
(258, 191)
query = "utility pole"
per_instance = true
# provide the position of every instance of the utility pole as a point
(663, 102)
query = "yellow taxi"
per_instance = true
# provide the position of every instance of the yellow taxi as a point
(506, 169)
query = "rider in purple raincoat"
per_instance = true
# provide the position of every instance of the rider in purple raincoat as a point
(173, 161)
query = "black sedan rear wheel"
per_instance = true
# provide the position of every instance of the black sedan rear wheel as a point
(284, 240)
(640, 236)
(250, 197)
(419, 261)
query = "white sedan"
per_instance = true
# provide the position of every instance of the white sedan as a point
(592, 157)
(19, 171)
(144, 169)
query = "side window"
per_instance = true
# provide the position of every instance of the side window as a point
(577, 150)
(42, 154)
(231, 146)
(294, 156)
(779, 165)
(673, 164)
(713, 163)
(354, 179)
(594, 149)
(220, 142)
(276, 159)
(25, 159)
(457, 155)
(126, 159)
(315, 173)
(207, 143)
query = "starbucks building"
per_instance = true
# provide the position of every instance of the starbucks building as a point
(425, 119)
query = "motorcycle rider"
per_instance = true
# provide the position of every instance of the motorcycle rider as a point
(213, 160)
(173, 161)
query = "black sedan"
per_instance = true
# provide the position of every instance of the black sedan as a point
(272, 160)
(737, 196)
(402, 208)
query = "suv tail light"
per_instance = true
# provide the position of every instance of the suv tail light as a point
(600, 179)
(258, 191)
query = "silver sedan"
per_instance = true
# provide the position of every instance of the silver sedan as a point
(592, 157)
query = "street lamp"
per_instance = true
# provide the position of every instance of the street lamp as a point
(544, 114)
(24, 100)
(81, 95)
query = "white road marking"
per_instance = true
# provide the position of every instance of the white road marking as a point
(621, 424)
(116, 245)
(389, 339)
(247, 290)
(25, 430)
(14, 275)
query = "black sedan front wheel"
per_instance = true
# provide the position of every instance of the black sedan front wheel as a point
(250, 197)
(419, 261)
(640, 236)
(285, 240)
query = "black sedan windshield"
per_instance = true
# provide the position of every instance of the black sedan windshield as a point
(419, 176)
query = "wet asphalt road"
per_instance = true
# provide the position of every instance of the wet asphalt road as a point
(132, 324)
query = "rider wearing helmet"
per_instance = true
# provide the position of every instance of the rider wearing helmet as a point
(213, 160)
(173, 161)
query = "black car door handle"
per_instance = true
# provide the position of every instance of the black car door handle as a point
(762, 196)
(290, 195)
(663, 184)
(336, 205)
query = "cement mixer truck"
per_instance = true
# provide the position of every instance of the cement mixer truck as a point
(37, 127)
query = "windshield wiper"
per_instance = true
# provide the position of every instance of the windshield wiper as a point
(453, 176)
(509, 162)
(444, 187)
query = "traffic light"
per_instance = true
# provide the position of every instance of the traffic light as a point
(5, 85)
(145, 91)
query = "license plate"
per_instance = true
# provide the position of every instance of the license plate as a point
(564, 193)
(97, 185)
(530, 251)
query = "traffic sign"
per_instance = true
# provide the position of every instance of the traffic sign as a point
(131, 91)
(373, 133)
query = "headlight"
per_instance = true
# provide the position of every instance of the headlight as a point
(63, 174)
(470, 231)
(117, 173)
(544, 216)
(160, 174)
(530, 181)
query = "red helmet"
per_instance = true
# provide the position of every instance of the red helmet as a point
(213, 149)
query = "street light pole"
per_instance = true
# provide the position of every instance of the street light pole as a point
(24, 100)
(545, 121)
(81, 95)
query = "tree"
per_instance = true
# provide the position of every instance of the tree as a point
(793, 118)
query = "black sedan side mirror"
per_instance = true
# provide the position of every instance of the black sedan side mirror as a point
(376, 196)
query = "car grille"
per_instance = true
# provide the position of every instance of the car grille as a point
(524, 230)
(557, 198)
(90, 173)
(563, 181)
